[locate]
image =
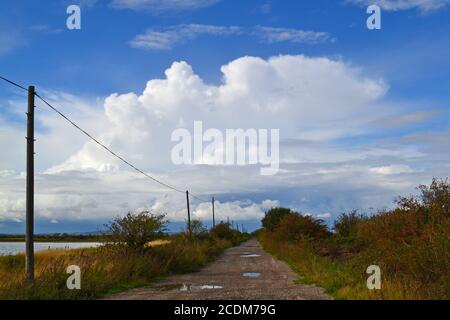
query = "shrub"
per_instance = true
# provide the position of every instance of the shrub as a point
(346, 226)
(136, 230)
(294, 227)
(198, 229)
(273, 217)
(225, 232)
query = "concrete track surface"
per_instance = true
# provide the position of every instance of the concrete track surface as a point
(245, 272)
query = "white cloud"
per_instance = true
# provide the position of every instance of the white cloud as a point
(311, 100)
(285, 92)
(157, 6)
(236, 210)
(324, 216)
(167, 38)
(403, 120)
(269, 204)
(10, 41)
(397, 5)
(392, 169)
(276, 35)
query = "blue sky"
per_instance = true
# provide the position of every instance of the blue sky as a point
(402, 138)
(76, 60)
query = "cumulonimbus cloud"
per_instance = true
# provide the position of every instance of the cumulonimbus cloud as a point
(310, 99)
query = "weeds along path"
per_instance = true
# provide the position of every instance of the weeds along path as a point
(245, 272)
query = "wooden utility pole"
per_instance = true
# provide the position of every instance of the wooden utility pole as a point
(214, 217)
(189, 214)
(29, 229)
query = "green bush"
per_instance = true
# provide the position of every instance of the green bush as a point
(198, 229)
(346, 226)
(294, 227)
(225, 232)
(136, 230)
(273, 217)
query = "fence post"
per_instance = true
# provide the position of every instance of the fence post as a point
(189, 214)
(29, 228)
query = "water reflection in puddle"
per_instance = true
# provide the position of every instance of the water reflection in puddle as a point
(252, 274)
(192, 287)
(250, 255)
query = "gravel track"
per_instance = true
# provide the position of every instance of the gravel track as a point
(265, 278)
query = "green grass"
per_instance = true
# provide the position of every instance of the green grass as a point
(336, 278)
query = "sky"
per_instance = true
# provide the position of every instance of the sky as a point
(363, 114)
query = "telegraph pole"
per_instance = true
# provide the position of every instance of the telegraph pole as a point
(214, 217)
(29, 229)
(189, 214)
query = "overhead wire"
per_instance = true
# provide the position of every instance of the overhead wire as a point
(108, 149)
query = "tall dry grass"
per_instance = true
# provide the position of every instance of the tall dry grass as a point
(107, 269)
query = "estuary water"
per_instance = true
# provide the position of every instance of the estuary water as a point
(10, 248)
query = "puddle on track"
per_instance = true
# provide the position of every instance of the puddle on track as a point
(252, 274)
(250, 255)
(186, 288)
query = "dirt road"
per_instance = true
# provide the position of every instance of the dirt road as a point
(246, 272)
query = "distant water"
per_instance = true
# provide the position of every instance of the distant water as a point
(9, 248)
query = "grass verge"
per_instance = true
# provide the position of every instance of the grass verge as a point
(346, 279)
(104, 270)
